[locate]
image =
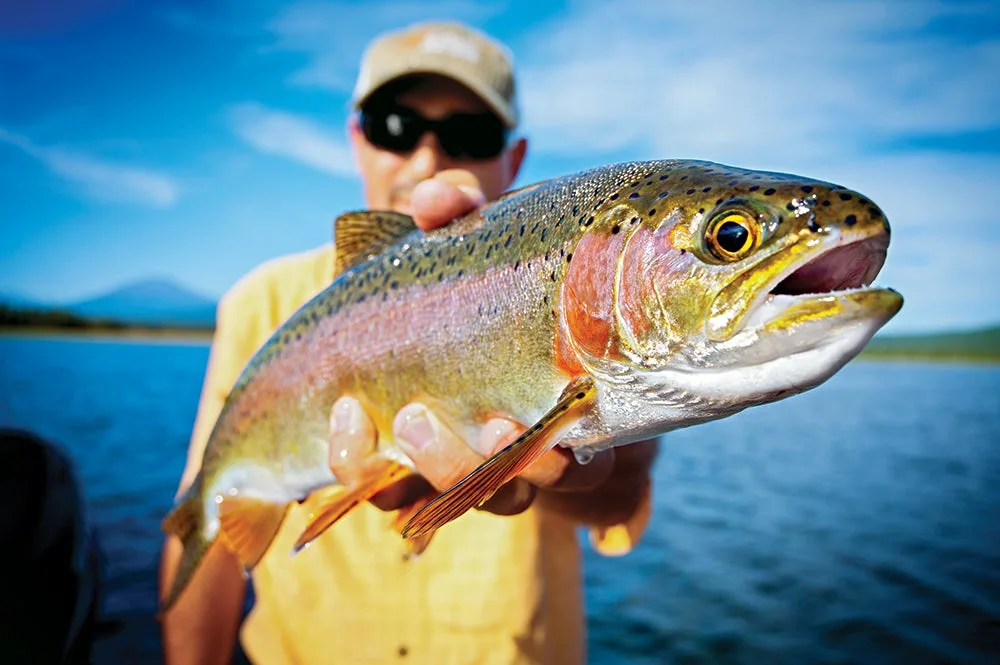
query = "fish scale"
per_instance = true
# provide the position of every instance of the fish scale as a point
(573, 306)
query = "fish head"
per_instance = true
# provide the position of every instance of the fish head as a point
(729, 286)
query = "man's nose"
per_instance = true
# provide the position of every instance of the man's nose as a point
(427, 157)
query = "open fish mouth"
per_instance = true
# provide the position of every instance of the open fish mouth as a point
(851, 266)
(836, 281)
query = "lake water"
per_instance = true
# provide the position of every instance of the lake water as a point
(858, 523)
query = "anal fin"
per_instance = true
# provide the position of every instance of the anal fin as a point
(248, 525)
(477, 487)
(328, 505)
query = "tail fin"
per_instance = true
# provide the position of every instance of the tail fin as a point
(186, 521)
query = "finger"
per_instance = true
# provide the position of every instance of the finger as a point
(443, 198)
(403, 493)
(512, 498)
(438, 454)
(352, 439)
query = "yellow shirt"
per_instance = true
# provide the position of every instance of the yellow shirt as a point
(488, 590)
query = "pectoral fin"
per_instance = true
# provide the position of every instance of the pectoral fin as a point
(476, 488)
(328, 505)
(414, 546)
(248, 525)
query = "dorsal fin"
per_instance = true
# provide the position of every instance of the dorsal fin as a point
(360, 235)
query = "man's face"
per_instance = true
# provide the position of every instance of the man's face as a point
(390, 176)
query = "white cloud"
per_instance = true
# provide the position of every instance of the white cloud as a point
(292, 137)
(333, 35)
(746, 81)
(100, 179)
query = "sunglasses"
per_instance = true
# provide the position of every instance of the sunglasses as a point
(462, 136)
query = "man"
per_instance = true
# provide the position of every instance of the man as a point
(432, 138)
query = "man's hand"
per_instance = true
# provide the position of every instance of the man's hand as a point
(603, 492)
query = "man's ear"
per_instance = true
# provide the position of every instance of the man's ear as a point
(356, 139)
(515, 157)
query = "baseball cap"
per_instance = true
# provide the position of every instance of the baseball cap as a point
(448, 49)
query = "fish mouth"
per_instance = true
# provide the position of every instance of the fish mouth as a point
(814, 277)
(835, 282)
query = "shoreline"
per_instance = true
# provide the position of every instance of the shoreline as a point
(164, 335)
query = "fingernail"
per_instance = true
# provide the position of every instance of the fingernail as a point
(473, 194)
(417, 429)
(346, 417)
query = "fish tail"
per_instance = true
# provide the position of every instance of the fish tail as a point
(186, 521)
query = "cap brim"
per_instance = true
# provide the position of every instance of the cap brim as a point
(496, 104)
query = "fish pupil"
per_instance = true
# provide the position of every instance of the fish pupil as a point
(732, 236)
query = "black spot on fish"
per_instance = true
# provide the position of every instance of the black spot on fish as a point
(522, 229)
(769, 191)
(826, 203)
(394, 285)
(732, 183)
(569, 257)
(806, 188)
(683, 252)
(544, 232)
(845, 196)
(706, 190)
(850, 220)
(718, 202)
(690, 192)
(581, 395)
(874, 212)
(684, 177)
(663, 177)
(652, 211)
(701, 211)
(814, 225)
(634, 220)
(552, 276)
(634, 195)
(615, 229)
(460, 273)
(790, 207)
(517, 265)
(754, 188)
(663, 195)
(590, 220)
(864, 202)
(614, 197)
(360, 299)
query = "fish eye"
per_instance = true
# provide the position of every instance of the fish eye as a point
(731, 236)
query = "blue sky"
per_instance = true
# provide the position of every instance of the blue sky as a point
(193, 140)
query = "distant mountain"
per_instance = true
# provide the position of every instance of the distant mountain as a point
(149, 302)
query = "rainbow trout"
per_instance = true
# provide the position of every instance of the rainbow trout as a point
(597, 309)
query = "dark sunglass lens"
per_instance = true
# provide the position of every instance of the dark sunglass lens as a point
(391, 130)
(473, 136)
